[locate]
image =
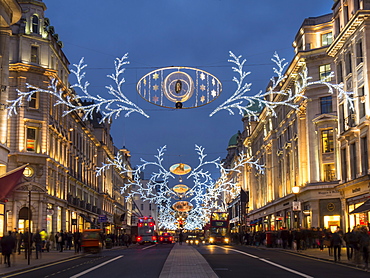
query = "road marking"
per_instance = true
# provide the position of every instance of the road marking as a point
(148, 247)
(95, 267)
(40, 267)
(269, 262)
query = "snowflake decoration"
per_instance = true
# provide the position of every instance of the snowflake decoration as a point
(243, 103)
(108, 107)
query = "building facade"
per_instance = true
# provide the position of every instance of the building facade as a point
(349, 51)
(60, 189)
(298, 146)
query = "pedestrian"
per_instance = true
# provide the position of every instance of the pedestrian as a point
(350, 239)
(38, 243)
(60, 240)
(7, 246)
(336, 242)
(365, 245)
(19, 242)
(44, 238)
(181, 237)
(27, 241)
(77, 241)
(126, 240)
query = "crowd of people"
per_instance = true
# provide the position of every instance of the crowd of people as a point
(356, 241)
(40, 241)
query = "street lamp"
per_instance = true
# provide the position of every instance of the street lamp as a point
(295, 190)
(296, 205)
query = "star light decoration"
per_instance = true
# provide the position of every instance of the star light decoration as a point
(204, 195)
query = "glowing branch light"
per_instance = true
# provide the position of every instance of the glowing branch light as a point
(243, 103)
(108, 107)
(205, 194)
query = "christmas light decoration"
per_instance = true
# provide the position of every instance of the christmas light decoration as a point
(90, 104)
(243, 103)
(204, 194)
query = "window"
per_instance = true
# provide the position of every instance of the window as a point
(326, 104)
(325, 72)
(344, 164)
(329, 172)
(339, 72)
(141, 206)
(364, 156)
(348, 62)
(359, 53)
(353, 159)
(150, 206)
(34, 54)
(326, 39)
(33, 103)
(31, 139)
(361, 102)
(35, 24)
(327, 140)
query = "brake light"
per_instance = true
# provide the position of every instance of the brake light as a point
(140, 224)
(154, 238)
(151, 224)
(161, 238)
(138, 238)
(170, 238)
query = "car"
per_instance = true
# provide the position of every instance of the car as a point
(165, 238)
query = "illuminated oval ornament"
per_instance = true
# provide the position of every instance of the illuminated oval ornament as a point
(182, 206)
(179, 87)
(180, 188)
(180, 169)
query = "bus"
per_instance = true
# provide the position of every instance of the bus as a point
(146, 231)
(218, 230)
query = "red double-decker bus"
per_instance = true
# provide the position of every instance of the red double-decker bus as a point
(146, 230)
(218, 230)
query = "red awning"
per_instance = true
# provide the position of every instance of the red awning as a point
(10, 180)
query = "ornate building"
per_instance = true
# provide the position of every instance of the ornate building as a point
(298, 146)
(60, 189)
(349, 50)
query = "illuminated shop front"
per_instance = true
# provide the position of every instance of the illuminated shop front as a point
(330, 211)
(358, 211)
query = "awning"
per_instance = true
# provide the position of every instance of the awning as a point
(87, 218)
(10, 180)
(363, 208)
(253, 222)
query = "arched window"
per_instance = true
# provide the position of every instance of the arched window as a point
(35, 24)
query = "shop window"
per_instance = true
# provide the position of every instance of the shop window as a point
(31, 140)
(327, 139)
(326, 39)
(332, 222)
(325, 71)
(326, 104)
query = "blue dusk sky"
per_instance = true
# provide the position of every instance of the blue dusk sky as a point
(192, 33)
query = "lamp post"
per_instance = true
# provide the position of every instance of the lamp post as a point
(296, 205)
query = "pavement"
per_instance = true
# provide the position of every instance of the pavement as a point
(183, 261)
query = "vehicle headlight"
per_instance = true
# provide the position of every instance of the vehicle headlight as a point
(187, 241)
(191, 241)
(197, 242)
(211, 239)
(226, 240)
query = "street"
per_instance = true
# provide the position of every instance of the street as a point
(225, 260)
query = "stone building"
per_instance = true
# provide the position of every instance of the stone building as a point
(297, 146)
(60, 189)
(10, 13)
(349, 50)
